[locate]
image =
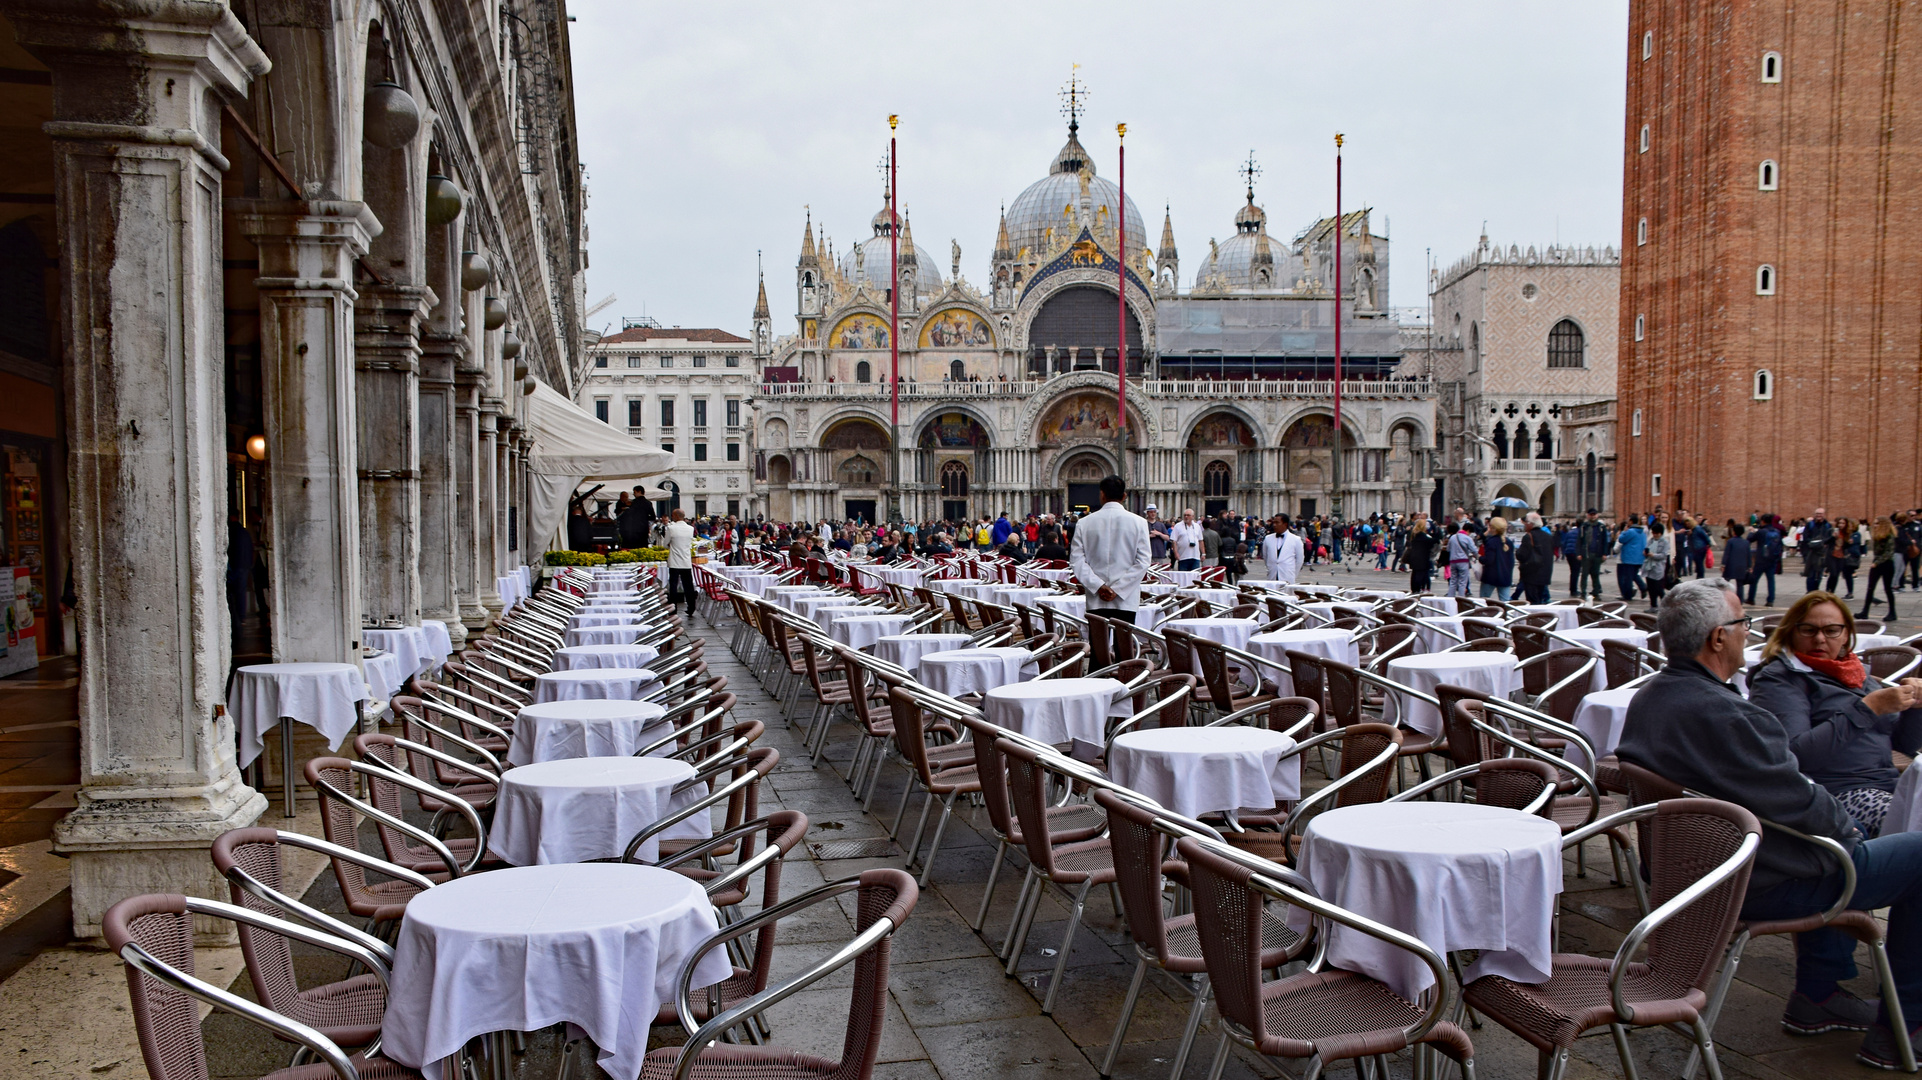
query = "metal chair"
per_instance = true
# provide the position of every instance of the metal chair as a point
(1698, 853)
(1072, 868)
(1070, 823)
(946, 785)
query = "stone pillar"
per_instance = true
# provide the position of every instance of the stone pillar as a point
(137, 173)
(487, 559)
(387, 357)
(441, 355)
(307, 252)
(504, 442)
(468, 485)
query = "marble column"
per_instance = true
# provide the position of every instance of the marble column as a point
(137, 173)
(487, 559)
(468, 484)
(441, 355)
(387, 359)
(505, 556)
(307, 296)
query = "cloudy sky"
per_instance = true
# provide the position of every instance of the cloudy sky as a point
(709, 129)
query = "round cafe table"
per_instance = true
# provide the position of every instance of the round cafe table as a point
(1437, 633)
(581, 809)
(1060, 574)
(1599, 718)
(1905, 813)
(1492, 673)
(1010, 595)
(1196, 771)
(597, 945)
(578, 729)
(1456, 875)
(577, 657)
(1148, 616)
(1182, 578)
(1591, 637)
(621, 634)
(574, 684)
(1057, 711)
(440, 643)
(905, 576)
(860, 632)
(613, 600)
(409, 644)
(1232, 632)
(755, 583)
(824, 617)
(1567, 616)
(1438, 605)
(1221, 598)
(384, 678)
(325, 697)
(806, 605)
(1328, 644)
(615, 616)
(907, 650)
(975, 671)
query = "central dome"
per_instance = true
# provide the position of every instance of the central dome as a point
(1045, 205)
(874, 261)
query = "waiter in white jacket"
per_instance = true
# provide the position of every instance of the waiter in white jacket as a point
(1110, 555)
(1281, 550)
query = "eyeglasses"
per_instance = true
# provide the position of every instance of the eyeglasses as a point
(1744, 622)
(1834, 632)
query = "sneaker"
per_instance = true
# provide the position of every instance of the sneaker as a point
(1879, 1051)
(1840, 1011)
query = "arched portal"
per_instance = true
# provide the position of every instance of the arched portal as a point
(1308, 453)
(1082, 475)
(1075, 330)
(780, 504)
(1216, 444)
(954, 491)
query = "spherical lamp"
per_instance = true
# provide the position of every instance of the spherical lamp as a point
(496, 316)
(475, 270)
(257, 447)
(510, 345)
(392, 119)
(527, 386)
(520, 369)
(444, 200)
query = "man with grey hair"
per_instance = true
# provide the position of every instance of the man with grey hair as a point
(1535, 559)
(1692, 727)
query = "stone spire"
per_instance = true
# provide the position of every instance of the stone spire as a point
(1003, 249)
(1167, 261)
(760, 301)
(809, 257)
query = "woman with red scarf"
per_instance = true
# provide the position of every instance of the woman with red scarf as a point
(1840, 722)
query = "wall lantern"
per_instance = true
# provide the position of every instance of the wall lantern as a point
(510, 345)
(257, 447)
(496, 313)
(392, 118)
(475, 270)
(444, 199)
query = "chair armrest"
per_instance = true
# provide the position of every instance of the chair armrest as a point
(699, 806)
(450, 760)
(1681, 901)
(378, 962)
(421, 787)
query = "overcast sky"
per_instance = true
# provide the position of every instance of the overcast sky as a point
(707, 128)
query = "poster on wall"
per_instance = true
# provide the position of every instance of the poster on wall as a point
(18, 651)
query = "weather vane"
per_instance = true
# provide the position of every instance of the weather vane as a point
(1074, 98)
(1249, 170)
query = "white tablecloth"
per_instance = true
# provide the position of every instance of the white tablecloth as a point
(975, 671)
(1221, 598)
(1196, 771)
(1183, 578)
(598, 945)
(1438, 633)
(1456, 875)
(1599, 719)
(825, 617)
(590, 728)
(580, 809)
(578, 657)
(860, 632)
(785, 595)
(1592, 637)
(755, 583)
(805, 606)
(1492, 673)
(325, 697)
(1329, 644)
(968, 588)
(384, 678)
(622, 599)
(1905, 813)
(623, 634)
(905, 576)
(1438, 605)
(1147, 617)
(439, 642)
(1061, 574)
(1057, 710)
(614, 583)
(624, 615)
(907, 650)
(409, 645)
(575, 684)
(1567, 616)
(1010, 595)
(511, 589)
(1233, 632)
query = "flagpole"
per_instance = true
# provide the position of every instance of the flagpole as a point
(1336, 501)
(1121, 293)
(894, 324)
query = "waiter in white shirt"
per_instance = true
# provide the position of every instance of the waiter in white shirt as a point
(1281, 550)
(1110, 555)
(680, 559)
(1186, 537)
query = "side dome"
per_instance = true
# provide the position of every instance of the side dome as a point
(873, 260)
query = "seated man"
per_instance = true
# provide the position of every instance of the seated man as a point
(1693, 728)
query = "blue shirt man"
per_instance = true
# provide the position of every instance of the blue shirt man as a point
(1002, 529)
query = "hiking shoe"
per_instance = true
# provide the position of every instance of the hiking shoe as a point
(1840, 1011)
(1878, 1048)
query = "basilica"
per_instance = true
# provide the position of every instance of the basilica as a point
(1010, 394)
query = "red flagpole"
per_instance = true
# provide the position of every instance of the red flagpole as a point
(894, 324)
(1121, 294)
(1338, 230)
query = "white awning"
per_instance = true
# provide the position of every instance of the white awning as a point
(571, 446)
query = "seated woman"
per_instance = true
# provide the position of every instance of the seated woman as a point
(1841, 723)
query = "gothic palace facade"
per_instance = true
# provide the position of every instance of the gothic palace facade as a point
(1009, 393)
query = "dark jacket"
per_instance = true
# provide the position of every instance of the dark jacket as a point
(1498, 561)
(1050, 547)
(1595, 542)
(1697, 731)
(1840, 744)
(1767, 551)
(1735, 560)
(1536, 558)
(1420, 552)
(1817, 534)
(1698, 540)
(635, 523)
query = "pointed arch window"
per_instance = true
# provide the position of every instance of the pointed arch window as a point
(1566, 345)
(1216, 479)
(1641, 325)
(1644, 139)
(1648, 44)
(1641, 232)
(863, 372)
(1501, 441)
(1765, 280)
(954, 480)
(1771, 67)
(1764, 385)
(1768, 177)
(957, 371)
